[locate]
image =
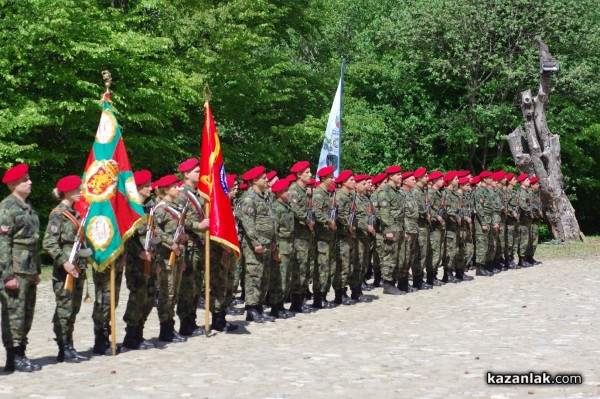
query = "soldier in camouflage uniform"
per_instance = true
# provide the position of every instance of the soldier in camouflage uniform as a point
(304, 245)
(20, 267)
(502, 192)
(438, 226)
(485, 221)
(392, 218)
(142, 287)
(346, 233)
(468, 208)
(364, 231)
(525, 198)
(464, 232)
(325, 238)
(453, 222)
(281, 273)
(410, 226)
(101, 310)
(496, 209)
(192, 280)
(240, 264)
(63, 224)
(421, 196)
(538, 214)
(512, 221)
(378, 182)
(260, 227)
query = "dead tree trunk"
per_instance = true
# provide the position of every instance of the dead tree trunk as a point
(537, 153)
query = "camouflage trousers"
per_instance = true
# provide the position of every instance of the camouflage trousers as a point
(240, 270)
(468, 247)
(301, 263)
(101, 311)
(481, 244)
(281, 272)
(362, 254)
(377, 247)
(451, 244)
(492, 243)
(324, 265)
(390, 265)
(192, 282)
(511, 238)
(343, 264)
(18, 307)
(169, 282)
(500, 254)
(535, 237)
(142, 290)
(408, 252)
(258, 267)
(222, 270)
(461, 251)
(524, 237)
(436, 245)
(68, 305)
(420, 262)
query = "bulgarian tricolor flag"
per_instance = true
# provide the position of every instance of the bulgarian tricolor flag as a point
(212, 185)
(109, 196)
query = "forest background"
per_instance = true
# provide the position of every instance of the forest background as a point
(432, 83)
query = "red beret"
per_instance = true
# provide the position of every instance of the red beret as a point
(419, 172)
(16, 172)
(499, 175)
(280, 185)
(510, 176)
(331, 188)
(68, 183)
(534, 180)
(406, 175)
(327, 170)
(299, 166)
(230, 180)
(358, 178)
(243, 186)
(522, 177)
(463, 173)
(253, 173)
(167, 180)
(435, 175)
(291, 177)
(271, 175)
(142, 177)
(153, 185)
(393, 169)
(345, 175)
(464, 180)
(377, 178)
(485, 174)
(475, 180)
(188, 165)
(179, 184)
(449, 176)
(311, 182)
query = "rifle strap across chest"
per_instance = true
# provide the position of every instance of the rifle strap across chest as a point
(69, 216)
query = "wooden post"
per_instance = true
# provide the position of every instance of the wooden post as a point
(207, 273)
(113, 318)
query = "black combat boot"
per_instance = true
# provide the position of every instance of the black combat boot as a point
(523, 263)
(252, 314)
(178, 337)
(308, 295)
(327, 304)
(390, 289)
(228, 326)
(101, 343)
(532, 261)
(165, 334)
(298, 305)
(78, 355)
(450, 277)
(266, 317)
(460, 274)
(317, 301)
(482, 271)
(233, 311)
(404, 286)
(377, 278)
(65, 354)
(21, 352)
(440, 282)
(131, 338)
(15, 362)
(188, 327)
(430, 279)
(143, 343)
(366, 286)
(346, 300)
(357, 295)
(511, 263)
(218, 323)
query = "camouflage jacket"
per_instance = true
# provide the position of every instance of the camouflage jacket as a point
(513, 203)
(135, 245)
(285, 227)
(60, 235)
(497, 204)
(526, 202)
(322, 209)
(391, 209)
(421, 197)
(258, 218)
(19, 238)
(453, 205)
(410, 223)
(536, 204)
(376, 210)
(437, 205)
(298, 200)
(195, 213)
(346, 206)
(363, 206)
(166, 219)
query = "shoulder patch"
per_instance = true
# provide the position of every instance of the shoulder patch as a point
(384, 204)
(54, 228)
(294, 200)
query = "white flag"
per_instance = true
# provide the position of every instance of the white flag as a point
(331, 152)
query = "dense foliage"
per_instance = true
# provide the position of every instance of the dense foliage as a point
(431, 83)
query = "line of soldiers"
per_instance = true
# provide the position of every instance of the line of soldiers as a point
(293, 232)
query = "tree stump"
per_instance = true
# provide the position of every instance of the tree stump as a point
(536, 151)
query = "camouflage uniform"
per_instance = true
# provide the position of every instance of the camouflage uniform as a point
(325, 238)
(512, 224)
(392, 214)
(408, 245)
(378, 240)
(260, 227)
(20, 259)
(496, 208)
(525, 220)
(281, 273)
(222, 269)
(483, 217)
(240, 264)
(536, 207)
(500, 256)
(452, 215)
(469, 248)
(361, 243)
(422, 247)
(345, 243)
(101, 310)
(438, 230)
(60, 235)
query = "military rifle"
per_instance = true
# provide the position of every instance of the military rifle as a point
(151, 239)
(179, 231)
(371, 214)
(427, 203)
(333, 207)
(76, 253)
(310, 213)
(352, 212)
(442, 209)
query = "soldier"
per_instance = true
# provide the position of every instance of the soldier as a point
(233, 279)
(271, 179)
(484, 223)
(438, 226)
(364, 231)
(391, 211)
(281, 274)
(142, 287)
(167, 218)
(499, 258)
(538, 214)
(260, 227)
(464, 237)
(192, 280)
(526, 217)
(495, 202)
(410, 226)
(20, 267)
(453, 222)
(240, 265)
(303, 255)
(377, 244)
(346, 232)
(421, 196)
(512, 221)
(63, 225)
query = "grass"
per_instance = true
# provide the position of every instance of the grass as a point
(580, 250)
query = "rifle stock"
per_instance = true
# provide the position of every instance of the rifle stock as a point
(179, 232)
(74, 256)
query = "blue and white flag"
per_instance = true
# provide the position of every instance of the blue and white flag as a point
(331, 152)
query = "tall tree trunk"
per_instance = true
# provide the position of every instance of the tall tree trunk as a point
(536, 151)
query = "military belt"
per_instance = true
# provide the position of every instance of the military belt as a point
(29, 247)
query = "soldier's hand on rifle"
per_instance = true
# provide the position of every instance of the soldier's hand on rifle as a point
(515, 215)
(277, 257)
(389, 236)
(350, 229)
(469, 221)
(310, 224)
(496, 226)
(459, 221)
(541, 214)
(484, 227)
(259, 249)
(175, 248)
(440, 219)
(405, 236)
(71, 269)
(332, 225)
(428, 217)
(371, 229)
(145, 255)
(11, 284)
(183, 238)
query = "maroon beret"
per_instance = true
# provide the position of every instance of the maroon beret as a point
(464, 173)
(464, 180)
(435, 175)
(291, 177)
(406, 175)
(358, 178)
(299, 166)
(243, 186)
(510, 176)
(142, 177)
(499, 175)
(534, 180)
(485, 174)
(393, 169)
(449, 176)
(327, 170)
(188, 165)
(377, 178)
(167, 180)
(419, 172)
(68, 183)
(253, 173)
(16, 172)
(153, 185)
(230, 180)
(271, 175)
(345, 175)
(475, 180)
(280, 185)
(522, 177)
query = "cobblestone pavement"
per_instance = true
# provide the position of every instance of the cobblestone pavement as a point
(435, 344)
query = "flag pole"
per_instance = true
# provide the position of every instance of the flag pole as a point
(113, 318)
(207, 273)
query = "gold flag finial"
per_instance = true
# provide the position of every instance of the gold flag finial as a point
(107, 77)
(207, 93)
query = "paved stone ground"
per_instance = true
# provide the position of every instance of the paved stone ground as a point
(435, 344)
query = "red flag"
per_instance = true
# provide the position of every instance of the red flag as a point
(212, 185)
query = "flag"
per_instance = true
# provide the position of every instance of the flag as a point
(109, 195)
(331, 152)
(212, 185)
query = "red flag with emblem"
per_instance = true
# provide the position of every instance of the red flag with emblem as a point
(212, 185)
